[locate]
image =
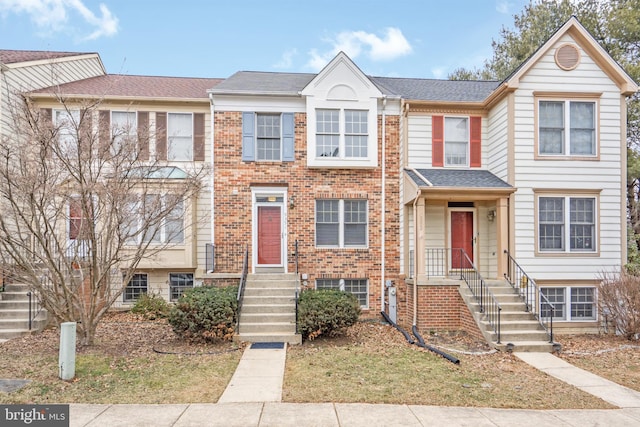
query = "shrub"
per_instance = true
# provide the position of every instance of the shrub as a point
(619, 301)
(206, 313)
(326, 311)
(151, 307)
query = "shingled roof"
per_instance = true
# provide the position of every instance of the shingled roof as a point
(120, 85)
(17, 56)
(290, 84)
(455, 178)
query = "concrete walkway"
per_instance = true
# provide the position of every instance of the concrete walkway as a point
(606, 390)
(259, 375)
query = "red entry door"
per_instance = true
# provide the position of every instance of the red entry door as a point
(269, 235)
(461, 238)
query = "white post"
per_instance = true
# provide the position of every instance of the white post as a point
(67, 357)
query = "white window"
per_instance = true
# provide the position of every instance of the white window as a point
(68, 123)
(268, 137)
(567, 128)
(555, 213)
(178, 283)
(146, 226)
(136, 287)
(180, 136)
(456, 141)
(124, 129)
(357, 287)
(341, 223)
(570, 303)
(342, 133)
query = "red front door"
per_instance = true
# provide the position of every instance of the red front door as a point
(461, 238)
(269, 235)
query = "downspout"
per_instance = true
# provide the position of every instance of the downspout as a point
(213, 191)
(383, 204)
(415, 258)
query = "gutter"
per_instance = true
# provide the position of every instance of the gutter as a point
(213, 190)
(415, 258)
(383, 204)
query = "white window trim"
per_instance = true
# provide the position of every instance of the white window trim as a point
(162, 226)
(124, 291)
(369, 105)
(341, 279)
(567, 127)
(180, 287)
(567, 304)
(341, 244)
(169, 133)
(567, 224)
(255, 140)
(444, 142)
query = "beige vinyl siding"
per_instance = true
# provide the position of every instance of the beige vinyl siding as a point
(419, 141)
(487, 242)
(496, 141)
(603, 175)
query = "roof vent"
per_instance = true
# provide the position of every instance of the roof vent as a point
(567, 57)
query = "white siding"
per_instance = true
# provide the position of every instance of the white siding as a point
(419, 141)
(603, 175)
(496, 142)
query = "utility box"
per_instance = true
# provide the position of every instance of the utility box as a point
(393, 304)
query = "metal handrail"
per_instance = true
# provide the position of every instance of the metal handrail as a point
(295, 254)
(241, 286)
(530, 293)
(488, 303)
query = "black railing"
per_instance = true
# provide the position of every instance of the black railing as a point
(241, 286)
(296, 255)
(443, 262)
(489, 306)
(534, 300)
(223, 258)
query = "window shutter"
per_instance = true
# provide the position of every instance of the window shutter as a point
(161, 136)
(198, 137)
(437, 141)
(104, 131)
(288, 140)
(143, 135)
(248, 137)
(475, 141)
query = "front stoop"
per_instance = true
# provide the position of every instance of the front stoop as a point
(14, 312)
(517, 326)
(268, 312)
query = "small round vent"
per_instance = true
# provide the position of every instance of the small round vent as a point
(567, 57)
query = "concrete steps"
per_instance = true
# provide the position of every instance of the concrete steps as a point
(14, 312)
(268, 309)
(519, 329)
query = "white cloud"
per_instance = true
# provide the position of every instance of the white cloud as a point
(286, 60)
(503, 6)
(52, 16)
(390, 46)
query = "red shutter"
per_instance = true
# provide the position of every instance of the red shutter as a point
(475, 141)
(437, 140)
(161, 136)
(198, 137)
(104, 132)
(143, 135)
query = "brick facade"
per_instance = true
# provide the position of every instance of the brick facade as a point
(233, 203)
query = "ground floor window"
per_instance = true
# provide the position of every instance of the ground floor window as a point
(571, 303)
(136, 287)
(358, 287)
(178, 283)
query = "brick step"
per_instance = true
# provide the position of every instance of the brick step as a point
(267, 337)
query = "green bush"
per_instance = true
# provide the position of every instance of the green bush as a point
(151, 307)
(206, 313)
(326, 312)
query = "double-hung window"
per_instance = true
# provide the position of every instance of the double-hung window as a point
(180, 136)
(123, 132)
(567, 128)
(68, 122)
(341, 223)
(178, 283)
(456, 141)
(342, 133)
(357, 287)
(136, 287)
(144, 224)
(268, 137)
(570, 303)
(567, 224)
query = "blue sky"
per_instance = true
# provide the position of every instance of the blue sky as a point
(214, 38)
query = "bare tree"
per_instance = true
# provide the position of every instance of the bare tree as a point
(81, 205)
